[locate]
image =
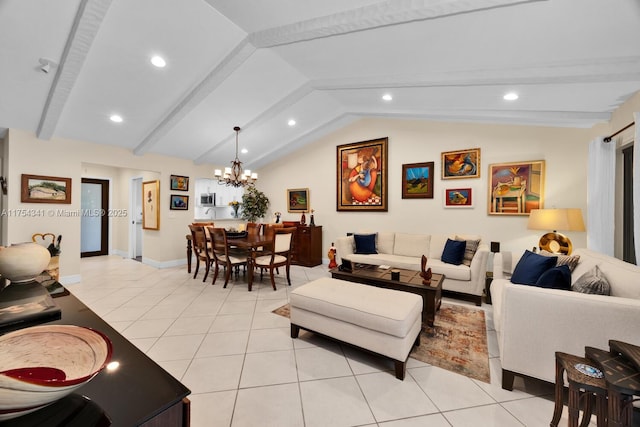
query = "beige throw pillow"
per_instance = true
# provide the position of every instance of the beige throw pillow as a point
(569, 260)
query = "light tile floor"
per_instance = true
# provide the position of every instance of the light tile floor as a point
(244, 370)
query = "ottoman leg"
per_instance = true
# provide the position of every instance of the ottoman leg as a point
(295, 330)
(401, 369)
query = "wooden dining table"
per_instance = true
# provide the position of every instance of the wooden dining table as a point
(250, 243)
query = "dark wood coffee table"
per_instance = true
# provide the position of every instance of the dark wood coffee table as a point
(410, 281)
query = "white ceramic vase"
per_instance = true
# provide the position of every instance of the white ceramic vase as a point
(22, 262)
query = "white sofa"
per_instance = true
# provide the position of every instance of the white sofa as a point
(532, 323)
(405, 250)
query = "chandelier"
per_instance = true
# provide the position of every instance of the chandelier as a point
(235, 176)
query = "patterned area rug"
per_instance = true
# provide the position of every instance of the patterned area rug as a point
(457, 342)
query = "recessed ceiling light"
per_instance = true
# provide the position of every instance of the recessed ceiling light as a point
(511, 96)
(158, 61)
(291, 122)
(116, 118)
(244, 151)
(387, 97)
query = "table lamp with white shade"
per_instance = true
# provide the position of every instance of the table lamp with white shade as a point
(567, 219)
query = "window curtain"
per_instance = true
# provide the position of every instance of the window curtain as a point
(636, 188)
(601, 196)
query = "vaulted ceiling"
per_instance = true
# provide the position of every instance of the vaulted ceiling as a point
(259, 64)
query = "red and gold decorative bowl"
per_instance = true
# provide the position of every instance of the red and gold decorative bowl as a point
(41, 364)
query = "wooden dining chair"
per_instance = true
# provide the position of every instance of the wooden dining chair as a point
(254, 228)
(222, 256)
(277, 253)
(201, 249)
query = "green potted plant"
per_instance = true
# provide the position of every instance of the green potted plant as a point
(254, 204)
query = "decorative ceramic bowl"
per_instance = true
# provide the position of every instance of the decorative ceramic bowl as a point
(21, 262)
(42, 364)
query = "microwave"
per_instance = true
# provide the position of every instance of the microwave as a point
(208, 199)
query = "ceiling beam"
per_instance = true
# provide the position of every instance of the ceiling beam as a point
(275, 109)
(219, 74)
(617, 69)
(391, 12)
(85, 27)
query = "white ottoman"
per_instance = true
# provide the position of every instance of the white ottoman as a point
(383, 321)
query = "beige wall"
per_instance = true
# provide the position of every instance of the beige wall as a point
(314, 166)
(75, 159)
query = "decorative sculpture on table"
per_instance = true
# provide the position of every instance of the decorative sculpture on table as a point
(425, 274)
(332, 256)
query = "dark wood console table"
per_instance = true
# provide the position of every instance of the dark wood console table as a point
(138, 393)
(307, 245)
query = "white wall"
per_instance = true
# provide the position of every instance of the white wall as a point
(411, 141)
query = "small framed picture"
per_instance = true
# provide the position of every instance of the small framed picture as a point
(179, 183)
(45, 189)
(417, 180)
(458, 198)
(179, 202)
(298, 200)
(461, 164)
(151, 205)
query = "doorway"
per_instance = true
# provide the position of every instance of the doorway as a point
(135, 207)
(94, 221)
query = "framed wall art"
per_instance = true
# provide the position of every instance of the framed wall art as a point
(151, 205)
(458, 198)
(298, 200)
(461, 164)
(179, 202)
(362, 176)
(417, 180)
(45, 189)
(179, 183)
(516, 188)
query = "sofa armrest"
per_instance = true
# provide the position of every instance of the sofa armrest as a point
(345, 246)
(537, 322)
(479, 270)
(504, 263)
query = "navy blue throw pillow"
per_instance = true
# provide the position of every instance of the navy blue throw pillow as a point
(453, 252)
(556, 278)
(365, 244)
(530, 268)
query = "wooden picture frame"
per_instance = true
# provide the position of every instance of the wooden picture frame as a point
(45, 189)
(458, 198)
(179, 202)
(362, 176)
(151, 205)
(179, 183)
(417, 180)
(461, 164)
(516, 188)
(298, 200)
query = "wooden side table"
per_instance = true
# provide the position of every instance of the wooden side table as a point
(578, 381)
(622, 382)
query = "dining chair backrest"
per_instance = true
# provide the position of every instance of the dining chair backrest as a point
(254, 228)
(198, 237)
(283, 239)
(218, 241)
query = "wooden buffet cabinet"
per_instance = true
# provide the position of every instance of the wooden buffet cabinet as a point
(307, 245)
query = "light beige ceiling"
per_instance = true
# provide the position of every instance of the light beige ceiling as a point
(257, 64)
